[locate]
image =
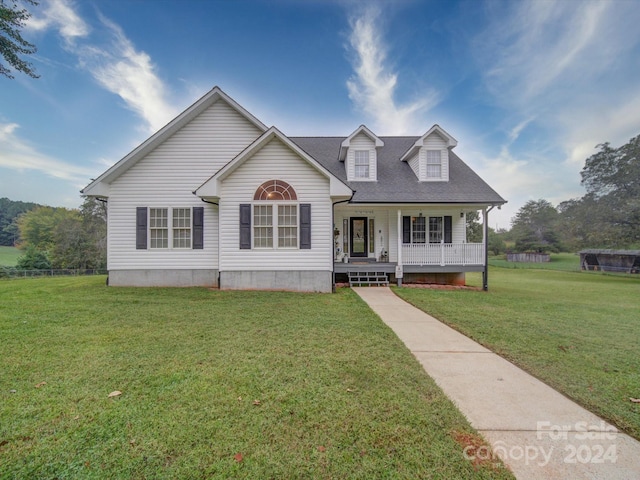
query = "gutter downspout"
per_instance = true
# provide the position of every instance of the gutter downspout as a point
(217, 205)
(485, 273)
(333, 223)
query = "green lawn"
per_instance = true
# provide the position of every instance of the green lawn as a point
(9, 256)
(214, 385)
(579, 332)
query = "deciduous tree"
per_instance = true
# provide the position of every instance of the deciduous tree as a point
(12, 19)
(612, 180)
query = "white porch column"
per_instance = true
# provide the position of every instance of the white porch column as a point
(399, 270)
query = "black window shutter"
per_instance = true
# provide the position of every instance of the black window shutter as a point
(406, 229)
(447, 229)
(305, 226)
(198, 228)
(141, 228)
(245, 226)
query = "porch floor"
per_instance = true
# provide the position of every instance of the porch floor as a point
(390, 267)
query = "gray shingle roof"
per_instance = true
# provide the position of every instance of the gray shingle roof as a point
(396, 181)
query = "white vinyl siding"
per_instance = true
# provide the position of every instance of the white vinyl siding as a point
(414, 163)
(167, 176)
(276, 160)
(361, 143)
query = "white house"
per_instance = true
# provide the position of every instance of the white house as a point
(218, 199)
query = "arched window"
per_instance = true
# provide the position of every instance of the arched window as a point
(275, 190)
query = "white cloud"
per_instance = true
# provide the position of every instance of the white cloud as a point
(60, 15)
(534, 46)
(17, 154)
(116, 64)
(130, 74)
(566, 70)
(373, 85)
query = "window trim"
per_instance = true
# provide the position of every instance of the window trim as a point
(413, 231)
(432, 163)
(150, 229)
(170, 228)
(439, 231)
(189, 228)
(275, 226)
(446, 222)
(356, 165)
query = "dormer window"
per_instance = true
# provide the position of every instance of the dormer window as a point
(361, 159)
(359, 152)
(434, 163)
(428, 157)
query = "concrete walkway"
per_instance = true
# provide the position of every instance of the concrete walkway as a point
(538, 432)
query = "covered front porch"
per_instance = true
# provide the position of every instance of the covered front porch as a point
(414, 242)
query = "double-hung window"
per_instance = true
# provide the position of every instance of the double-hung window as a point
(361, 164)
(275, 225)
(275, 219)
(181, 228)
(176, 232)
(414, 229)
(158, 228)
(169, 228)
(427, 229)
(418, 231)
(263, 226)
(435, 230)
(287, 226)
(434, 164)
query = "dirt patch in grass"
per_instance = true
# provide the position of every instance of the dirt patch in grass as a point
(477, 450)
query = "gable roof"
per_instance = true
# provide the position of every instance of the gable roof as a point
(211, 188)
(396, 181)
(97, 187)
(451, 142)
(346, 143)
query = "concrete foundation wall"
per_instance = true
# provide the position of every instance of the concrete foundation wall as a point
(439, 278)
(163, 278)
(297, 280)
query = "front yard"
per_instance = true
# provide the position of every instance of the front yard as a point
(214, 385)
(578, 332)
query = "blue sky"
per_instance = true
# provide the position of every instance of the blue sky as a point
(528, 88)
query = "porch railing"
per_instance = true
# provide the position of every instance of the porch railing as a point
(443, 254)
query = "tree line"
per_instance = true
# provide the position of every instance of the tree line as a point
(607, 216)
(56, 237)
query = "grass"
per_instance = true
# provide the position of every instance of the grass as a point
(576, 331)
(214, 385)
(9, 256)
(569, 262)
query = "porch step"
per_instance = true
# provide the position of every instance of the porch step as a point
(367, 279)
